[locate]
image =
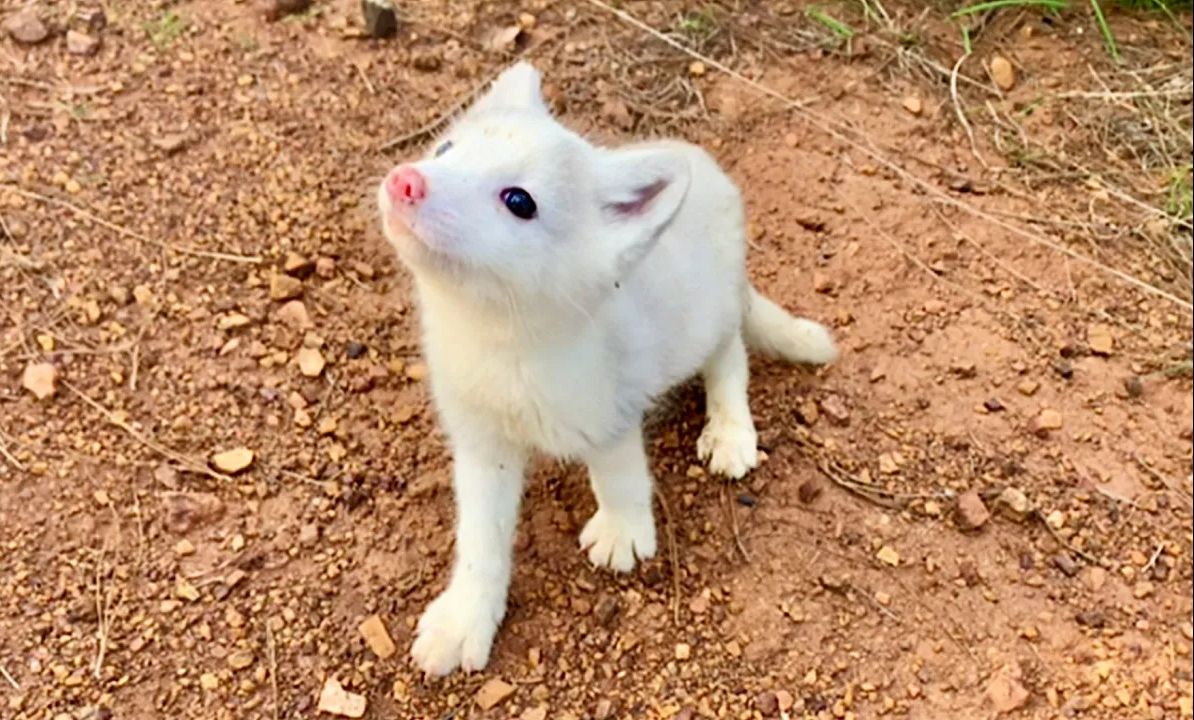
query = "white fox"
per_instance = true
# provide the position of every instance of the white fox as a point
(562, 287)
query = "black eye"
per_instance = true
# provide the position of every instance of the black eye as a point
(519, 202)
(444, 147)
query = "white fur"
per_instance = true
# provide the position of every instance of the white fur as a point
(554, 334)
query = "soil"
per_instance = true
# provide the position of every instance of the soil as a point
(983, 508)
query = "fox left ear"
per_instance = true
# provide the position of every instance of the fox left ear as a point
(517, 88)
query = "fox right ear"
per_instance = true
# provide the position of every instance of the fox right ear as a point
(517, 88)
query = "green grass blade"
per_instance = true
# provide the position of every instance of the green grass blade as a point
(996, 4)
(837, 27)
(1105, 29)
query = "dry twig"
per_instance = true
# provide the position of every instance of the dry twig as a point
(673, 555)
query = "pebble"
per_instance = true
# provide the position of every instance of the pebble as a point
(1006, 693)
(232, 321)
(1066, 564)
(209, 681)
(416, 372)
(183, 548)
(697, 68)
(187, 510)
(888, 556)
(1013, 504)
(232, 461)
(1028, 388)
(1002, 72)
(1062, 367)
(683, 651)
(493, 692)
(373, 629)
(41, 379)
(26, 27)
(294, 314)
(325, 267)
(355, 349)
(335, 700)
(834, 409)
(1133, 386)
(1048, 421)
(310, 361)
(240, 659)
(284, 287)
(972, 512)
(914, 105)
(1100, 340)
(80, 43)
(308, 535)
(767, 703)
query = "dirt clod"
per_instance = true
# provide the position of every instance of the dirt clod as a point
(335, 700)
(284, 287)
(492, 693)
(377, 637)
(273, 10)
(26, 27)
(972, 512)
(80, 43)
(1002, 72)
(232, 461)
(41, 379)
(834, 409)
(1006, 693)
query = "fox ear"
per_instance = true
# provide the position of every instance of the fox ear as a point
(517, 88)
(639, 191)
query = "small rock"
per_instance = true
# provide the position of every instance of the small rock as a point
(697, 68)
(914, 105)
(1013, 504)
(493, 692)
(80, 43)
(334, 699)
(1096, 578)
(184, 548)
(1003, 73)
(767, 703)
(186, 591)
(274, 10)
(1048, 421)
(294, 314)
(1064, 368)
(232, 461)
(835, 410)
(791, 140)
(325, 267)
(1066, 564)
(308, 535)
(284, 287)
(240, 659)
(822, 282)
(1133, 386)
(683, 651)
(606, 610)
(1028, 388)
(1100, 340)
(972, 512)
(527, 21)
(232, 321)
(807, 413)
(381, 21)
(310, 361)
(41, 379)
(355, 349)
(377, 637)
(888, 556)
(889, 463)
(209, 681)
(298, 266)
(26, 27)
(166, 476)
(143, 295)
(786, 701)
(1006, 693)
(993, 405)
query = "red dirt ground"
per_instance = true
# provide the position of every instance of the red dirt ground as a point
(788, 594)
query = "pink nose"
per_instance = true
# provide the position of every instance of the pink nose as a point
(406, 185)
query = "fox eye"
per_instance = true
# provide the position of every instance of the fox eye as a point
(444, 147)
(519, 202)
